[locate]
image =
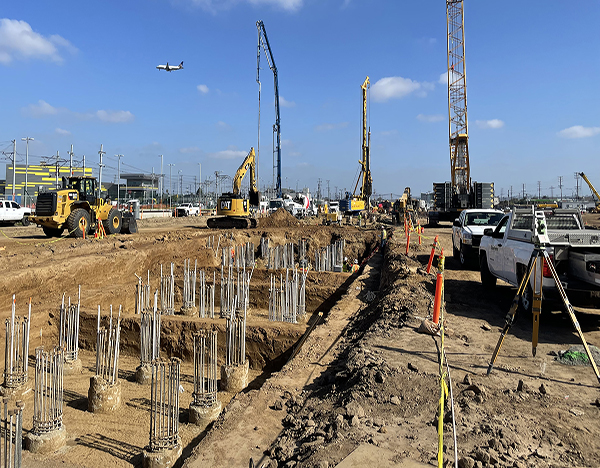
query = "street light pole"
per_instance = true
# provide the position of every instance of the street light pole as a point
(200, 180)
(119, 156)
(26, 140)
(170, 184)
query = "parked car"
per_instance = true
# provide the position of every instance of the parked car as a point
(467, 232)
(12, 212)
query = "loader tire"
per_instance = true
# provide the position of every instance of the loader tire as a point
(52, 232)
(112, 225)
(78, 222)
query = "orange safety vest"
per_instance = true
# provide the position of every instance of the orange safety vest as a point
(354, 268)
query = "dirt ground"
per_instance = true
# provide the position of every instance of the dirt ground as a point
(364, 387)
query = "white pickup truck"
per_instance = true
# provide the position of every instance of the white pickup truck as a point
(12, 212)
(504, 253)
(467, 231)
(187, 209)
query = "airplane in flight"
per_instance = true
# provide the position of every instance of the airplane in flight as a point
(170, 67)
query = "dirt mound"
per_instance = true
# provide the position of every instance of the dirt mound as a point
(281, 218)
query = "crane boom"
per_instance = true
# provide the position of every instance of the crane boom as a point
(592, 188)
(263, 42)
(457, 98)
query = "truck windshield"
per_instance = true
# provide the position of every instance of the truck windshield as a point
(483, 219)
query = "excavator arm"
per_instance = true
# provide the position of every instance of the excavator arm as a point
(584, 177)
(249, 164)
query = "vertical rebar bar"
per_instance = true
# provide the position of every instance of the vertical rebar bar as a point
(164, 404)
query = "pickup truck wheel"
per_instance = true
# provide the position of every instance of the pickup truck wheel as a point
(462, 256)
(25, 221)
(488, 280)
(455, 251)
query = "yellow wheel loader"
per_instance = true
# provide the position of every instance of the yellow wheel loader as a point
(77, 208)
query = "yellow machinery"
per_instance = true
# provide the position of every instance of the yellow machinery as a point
(355, 203)
(233, 209)
(77, 208)
(402, 206)
(584, 177)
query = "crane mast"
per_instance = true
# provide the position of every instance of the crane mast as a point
(457, 99)
(263, 42)
(367, 181)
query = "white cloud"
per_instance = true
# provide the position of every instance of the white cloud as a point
(229, 153)
(430, 118)
(189, 149)
(494, 123)
(579, 131)
(203, 88)
(223, 125)
(61, 131)
(215, 6)
(41, 109)
(396, 87)
(18, 41)
(330, 126)
(284, 103)
(444, 78)
(115, 116)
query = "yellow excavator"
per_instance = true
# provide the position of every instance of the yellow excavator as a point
(233, 211)
(597, 201)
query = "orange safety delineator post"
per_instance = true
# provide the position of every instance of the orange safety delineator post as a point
(435, 241)
(439, 288)
(419, 231)
(407, 242)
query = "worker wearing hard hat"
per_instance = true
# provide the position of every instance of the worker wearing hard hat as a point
(346, 265)
(355, 266)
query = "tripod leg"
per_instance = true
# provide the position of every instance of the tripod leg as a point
(571, 313)
(536, 308)
(510, 317)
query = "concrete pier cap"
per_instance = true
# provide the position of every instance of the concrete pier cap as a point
(72, 367)
(204, 415)
(102, 397)
(48, 442)
(143, 374)
(165, 458)
(234, 378)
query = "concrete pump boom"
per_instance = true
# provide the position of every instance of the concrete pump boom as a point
(263, 42)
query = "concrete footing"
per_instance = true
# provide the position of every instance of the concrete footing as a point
(162, 458)
(48, 442)
(143, 374)
(72, 367)
(234, 378)
(102, 397)
(17, 393)
(202, 415)
(189, 311)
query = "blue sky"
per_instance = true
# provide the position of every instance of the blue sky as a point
(83, 73)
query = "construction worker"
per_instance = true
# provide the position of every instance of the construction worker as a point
(355, 266)
(346, 265)
(383, 236)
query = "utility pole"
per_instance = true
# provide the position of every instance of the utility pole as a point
(328, 199)
(180, 185)
(71, 161)
(523, 192)
(118, 156)
(83, 169)
(101, 153)
(200, 180)
(170, 185)
(560, 185)
(56, 169)
(577, 185)
(152, 189)
(26, 140)
(14, 160)
(539, 189)
(552, 191)
(511, 194)
(161, 180)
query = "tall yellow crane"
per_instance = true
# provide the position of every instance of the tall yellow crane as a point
(597, 201)
(231, 206)
(354, 202)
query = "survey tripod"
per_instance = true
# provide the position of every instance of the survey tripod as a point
(540, 258)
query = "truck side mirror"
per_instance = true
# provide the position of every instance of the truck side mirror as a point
(456, 223)
(488, 232)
